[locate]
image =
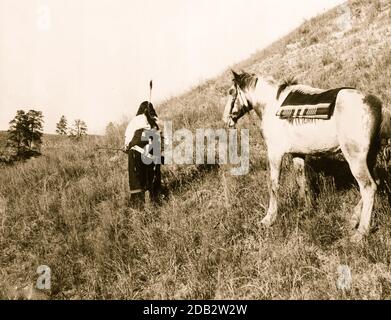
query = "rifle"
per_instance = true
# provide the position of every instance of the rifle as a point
(110, 149)
(135, 148)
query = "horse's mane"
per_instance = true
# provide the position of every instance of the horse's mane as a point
(291, 81)
(244, 80)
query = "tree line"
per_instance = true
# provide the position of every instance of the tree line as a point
(24, 136)
(78, 130)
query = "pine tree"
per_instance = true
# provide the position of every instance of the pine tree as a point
(17, 133)
(25, 132)
(62, 126)
(35, 128)
(79, 129)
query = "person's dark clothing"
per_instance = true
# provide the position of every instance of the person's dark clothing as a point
(142, 176)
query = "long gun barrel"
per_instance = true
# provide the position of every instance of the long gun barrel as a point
(110, 149)
(135, 148)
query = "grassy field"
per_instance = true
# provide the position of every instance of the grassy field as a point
(67, 209)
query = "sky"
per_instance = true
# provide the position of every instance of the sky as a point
(93, 59)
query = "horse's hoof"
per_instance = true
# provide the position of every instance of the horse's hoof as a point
(267, 222)
(357, 237)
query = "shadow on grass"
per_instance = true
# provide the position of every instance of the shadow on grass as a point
(325, 174)
(339, 173)
(332, 170)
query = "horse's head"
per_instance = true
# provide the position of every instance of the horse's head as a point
(239, 100)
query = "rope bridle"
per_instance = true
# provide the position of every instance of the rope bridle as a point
(246, 107)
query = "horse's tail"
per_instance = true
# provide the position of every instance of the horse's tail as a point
(385, 129)
(375, 106)
(378, 109)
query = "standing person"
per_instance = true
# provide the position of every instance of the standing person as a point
(143, 175)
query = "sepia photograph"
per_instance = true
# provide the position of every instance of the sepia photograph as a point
(219, 151)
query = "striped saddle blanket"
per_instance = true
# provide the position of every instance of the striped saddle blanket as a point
(299, 104)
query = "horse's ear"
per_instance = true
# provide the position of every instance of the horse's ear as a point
(234, 74)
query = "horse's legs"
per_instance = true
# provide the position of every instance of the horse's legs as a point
(275, 169)
(359, 167)
(368, 191)
(301, 178)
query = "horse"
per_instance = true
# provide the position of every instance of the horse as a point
(354, 127)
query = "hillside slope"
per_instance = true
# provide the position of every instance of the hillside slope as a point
(68, 210)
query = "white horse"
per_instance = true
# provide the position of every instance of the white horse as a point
(354, 127)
